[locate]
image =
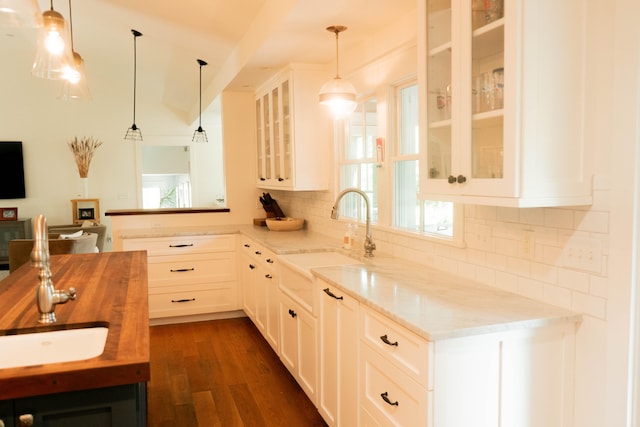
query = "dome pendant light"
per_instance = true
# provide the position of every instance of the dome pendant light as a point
(75, 85)
(200, 135)
(53, 53)
(134, 133)
(337, 94)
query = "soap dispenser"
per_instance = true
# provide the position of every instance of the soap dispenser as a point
(348, 237)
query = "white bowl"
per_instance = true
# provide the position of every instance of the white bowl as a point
(284, 224)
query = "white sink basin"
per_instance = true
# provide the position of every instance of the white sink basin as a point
(41, 348)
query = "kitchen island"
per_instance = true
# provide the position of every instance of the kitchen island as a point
(111, 291)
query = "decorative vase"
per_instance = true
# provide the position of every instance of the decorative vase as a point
(85, 186)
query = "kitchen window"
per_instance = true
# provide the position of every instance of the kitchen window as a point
(358, 162)
(410, 213)
(360, 166)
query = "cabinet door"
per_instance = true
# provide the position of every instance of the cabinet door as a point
(289, 333)
(338, 324)
(120, 406)
(273, 300)
(247, 267)
(502, 128)
(307, 354)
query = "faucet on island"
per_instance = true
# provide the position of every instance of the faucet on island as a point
(369, 246)
(46, 295)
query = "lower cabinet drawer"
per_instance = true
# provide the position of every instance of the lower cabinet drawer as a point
(387, 394)
(192, 300)
(186, 269)
(407, 350)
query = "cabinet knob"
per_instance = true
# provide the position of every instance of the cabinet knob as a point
(25, 420)
(451, 179)
(292, 313)
(461, 179)
(263, 179)
(251, 266)
(258, 253)
(280, 179)
(246, 245)
(269, 260)
(268, 276)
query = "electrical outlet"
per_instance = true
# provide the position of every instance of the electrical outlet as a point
(583, 253)
(527, 247)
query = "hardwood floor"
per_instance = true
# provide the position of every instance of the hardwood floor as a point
(221, 373)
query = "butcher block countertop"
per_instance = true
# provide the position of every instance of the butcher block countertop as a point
(111, 291)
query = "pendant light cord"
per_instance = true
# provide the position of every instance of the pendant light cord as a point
(136, 34)
(200, 110)
(337, 56)
(70, 25)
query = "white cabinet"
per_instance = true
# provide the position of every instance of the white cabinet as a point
(260, 293)
(502, 102)
(338, 384)
(512, 378)
(292, 131)
(189, 274)
(299, 344)
(394, 375)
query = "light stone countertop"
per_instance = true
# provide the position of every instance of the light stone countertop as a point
(433, 304)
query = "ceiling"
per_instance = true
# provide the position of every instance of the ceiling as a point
(243, 41)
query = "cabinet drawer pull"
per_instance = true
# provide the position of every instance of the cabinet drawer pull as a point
(185, 245)
(251, 266)
(25, 420)
(385, 397)
(385, 340)
(181, 270)
(331, 294)
(268, 276)
(292, 313)
(183, 300)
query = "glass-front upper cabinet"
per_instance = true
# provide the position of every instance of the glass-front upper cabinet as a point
(290, 154)
(503, 95)
(440, 90)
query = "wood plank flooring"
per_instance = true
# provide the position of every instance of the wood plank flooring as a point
(221, 373)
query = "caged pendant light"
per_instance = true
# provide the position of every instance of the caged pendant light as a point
(74, 86)
(337, 94)
(200, 135)
(20, 14)
(53, 53)
(134, 133)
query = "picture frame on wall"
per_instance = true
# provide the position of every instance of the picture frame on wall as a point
(8, 214)
(86, 214)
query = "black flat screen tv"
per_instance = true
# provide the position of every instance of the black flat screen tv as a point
(11, 170)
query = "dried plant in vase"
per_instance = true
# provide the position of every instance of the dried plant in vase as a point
(83, 150)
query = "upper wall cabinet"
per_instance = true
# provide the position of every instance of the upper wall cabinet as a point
(502, 102)
(293, 133)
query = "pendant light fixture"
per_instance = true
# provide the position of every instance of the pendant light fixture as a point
(53, 53)
(200, 135)
(74, 86)
(134, 133)
(337, 94)
(20, 14)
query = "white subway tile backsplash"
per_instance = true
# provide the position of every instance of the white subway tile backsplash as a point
(495, 246)
(572, 279)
